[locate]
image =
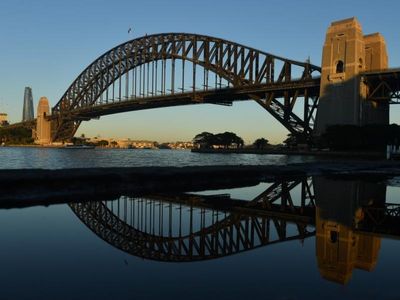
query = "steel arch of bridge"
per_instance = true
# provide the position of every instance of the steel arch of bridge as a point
(144, 73)
(155, 227)
(148, 226)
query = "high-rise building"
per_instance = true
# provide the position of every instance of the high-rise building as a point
(27, 113)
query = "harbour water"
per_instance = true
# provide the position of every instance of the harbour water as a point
(319, 239)
(53, 158)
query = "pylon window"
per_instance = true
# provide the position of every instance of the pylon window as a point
(340, 67)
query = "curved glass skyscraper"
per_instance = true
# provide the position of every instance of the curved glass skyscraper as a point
(27, 113)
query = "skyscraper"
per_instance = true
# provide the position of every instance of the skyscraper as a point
(27, 113)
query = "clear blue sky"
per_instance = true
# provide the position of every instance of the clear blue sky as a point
(45, 44)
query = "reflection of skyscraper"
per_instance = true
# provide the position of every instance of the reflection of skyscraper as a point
(27, 113)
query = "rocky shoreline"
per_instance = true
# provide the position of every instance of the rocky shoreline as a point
(63, 185)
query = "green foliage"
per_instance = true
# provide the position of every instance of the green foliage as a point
(260, 143)
(293, 141)
(226, 140)
(204, 139)
(290, 141)
(114, 144)
(16, 136)
(102, 143)
(164, 146)
(78, 141)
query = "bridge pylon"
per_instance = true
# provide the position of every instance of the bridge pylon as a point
(347, 52)
(43, 125)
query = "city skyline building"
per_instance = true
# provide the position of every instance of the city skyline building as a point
(27, 113)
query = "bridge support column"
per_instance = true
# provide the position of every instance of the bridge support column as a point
(347, 53)
(43, 126)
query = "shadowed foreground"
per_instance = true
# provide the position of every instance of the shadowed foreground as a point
(63, 185)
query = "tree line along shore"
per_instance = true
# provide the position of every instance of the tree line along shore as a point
(336, 138)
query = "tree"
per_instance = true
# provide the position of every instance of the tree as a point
(102, 143)
(164, 146)
(239, 142)
(16, 136)
(260, 143)
(226, 140)
(204, 140)
(290, 141)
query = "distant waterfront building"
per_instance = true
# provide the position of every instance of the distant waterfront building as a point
(3, 119)
(141, 144)
(27, 113)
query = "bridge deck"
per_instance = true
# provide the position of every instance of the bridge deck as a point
(220, 96)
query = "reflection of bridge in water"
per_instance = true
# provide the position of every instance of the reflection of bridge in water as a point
(191, 227)
(347, 218)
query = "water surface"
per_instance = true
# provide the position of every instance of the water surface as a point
(50, 158)
(224, 244)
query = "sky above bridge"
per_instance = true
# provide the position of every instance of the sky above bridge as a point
(45, 44)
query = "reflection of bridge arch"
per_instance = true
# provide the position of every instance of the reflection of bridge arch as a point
(192, 228)
(184, 227)
(163, 70)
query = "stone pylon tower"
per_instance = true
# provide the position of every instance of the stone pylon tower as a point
(43, 126)
(347, 53)
(27, 113)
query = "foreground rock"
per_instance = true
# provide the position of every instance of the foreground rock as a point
(65, 185)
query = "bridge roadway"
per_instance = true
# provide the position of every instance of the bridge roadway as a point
(379, 220)
(387, 82)
(382, 85)
(264, 94)
(224, 96)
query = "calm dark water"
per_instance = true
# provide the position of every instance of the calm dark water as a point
(18, 157)
(225, 244)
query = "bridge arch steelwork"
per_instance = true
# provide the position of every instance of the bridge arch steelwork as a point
(184, 227)
(188, 227)
(178, 68)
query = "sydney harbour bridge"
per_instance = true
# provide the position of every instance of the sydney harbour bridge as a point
(174, 69)
(181, 227)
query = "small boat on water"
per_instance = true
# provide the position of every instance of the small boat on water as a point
(79, 147)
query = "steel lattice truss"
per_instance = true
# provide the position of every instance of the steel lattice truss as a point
(188, 227)
(383, 220)
(156, 228)
(177, 69)
(383, 85)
